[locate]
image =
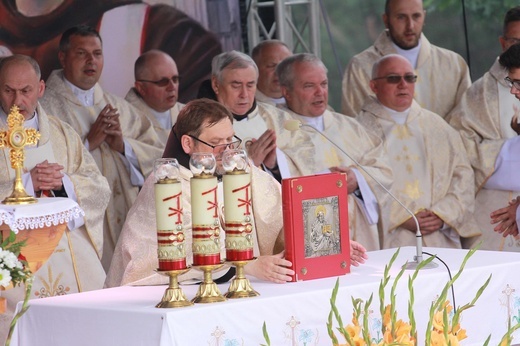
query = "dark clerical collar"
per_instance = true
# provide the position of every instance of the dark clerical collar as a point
(242, 117)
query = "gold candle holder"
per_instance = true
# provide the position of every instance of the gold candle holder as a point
(16, 138)
(208, 290)
(240, 286)
(173, 296)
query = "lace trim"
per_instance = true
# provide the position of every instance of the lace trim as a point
(17, 219)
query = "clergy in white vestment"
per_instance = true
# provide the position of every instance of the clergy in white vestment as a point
(432, 175)
(60, 164)
(155, 91)
(267, 54)
(304, 82)
(121, 139)
(483, 118)
(135, 259)
(442, 75)
(234, 77)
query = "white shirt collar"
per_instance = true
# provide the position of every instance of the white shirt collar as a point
(316, 122)
(399, 117)
(31, 123)
(86, 97)
(163, 118)
(279, 101)
(410, 54)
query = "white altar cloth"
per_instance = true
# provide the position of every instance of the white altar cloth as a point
(45, 213)
(294, 313)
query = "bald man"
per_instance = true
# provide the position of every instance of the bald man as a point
(156, 91)
(443, 75)
(432, 175)
(267, 55)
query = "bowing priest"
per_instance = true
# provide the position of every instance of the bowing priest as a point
(443, 75)
(234, 78)
(304, 82)
(59, 165)
(203, 126)
(432, 175)
(121, 140)
(156, 91)
(483, 118)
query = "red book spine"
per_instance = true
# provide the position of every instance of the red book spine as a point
(288, 222)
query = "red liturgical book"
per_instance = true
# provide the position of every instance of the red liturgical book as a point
(315, 217)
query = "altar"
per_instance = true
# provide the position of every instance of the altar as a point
(293, 313)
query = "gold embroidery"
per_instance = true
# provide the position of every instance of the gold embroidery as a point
(402, 132)
(52, 287)
(412, 189)
(407, 159)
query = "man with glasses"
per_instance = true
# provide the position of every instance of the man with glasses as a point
(304, 82)
(443, 75)
(484, 119)
(203, 126)
(432, 175)
(121, 140)
(156, 90)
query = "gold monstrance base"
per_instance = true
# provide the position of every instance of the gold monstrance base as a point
(208, 290)
(173, 296)
(19, 196)
(240, 286)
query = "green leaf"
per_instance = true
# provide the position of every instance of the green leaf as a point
(266, 334)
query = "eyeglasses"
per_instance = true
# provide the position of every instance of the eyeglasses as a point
(232, 145)
(163, 81)
(514, 40)
(396, 79)
(513, 83)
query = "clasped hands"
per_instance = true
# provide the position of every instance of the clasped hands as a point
(47, 176)
(429, 222)
(106, 128)
(262, 150)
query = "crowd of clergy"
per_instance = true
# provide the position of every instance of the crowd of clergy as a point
(411, 120)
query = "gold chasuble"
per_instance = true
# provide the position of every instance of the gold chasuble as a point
(431, 172)
(443, 76)
(135, 100)
(135, 258)
(310, 153)
(137, 131)
(75, 265)
(483, 119)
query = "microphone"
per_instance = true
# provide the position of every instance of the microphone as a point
(295, 125)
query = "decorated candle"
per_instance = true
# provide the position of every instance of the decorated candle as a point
(238, 212)
(171, 249)
(204, 210)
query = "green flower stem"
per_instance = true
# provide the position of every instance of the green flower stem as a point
(25, 307)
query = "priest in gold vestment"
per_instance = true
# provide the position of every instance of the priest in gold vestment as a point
(432, 175)
(75, 265)
(155, 91)
(303, 79)
(443, 75)
(483, 118)
(121, 140)
(135, 258)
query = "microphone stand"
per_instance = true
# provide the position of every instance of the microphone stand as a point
(418, 236)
